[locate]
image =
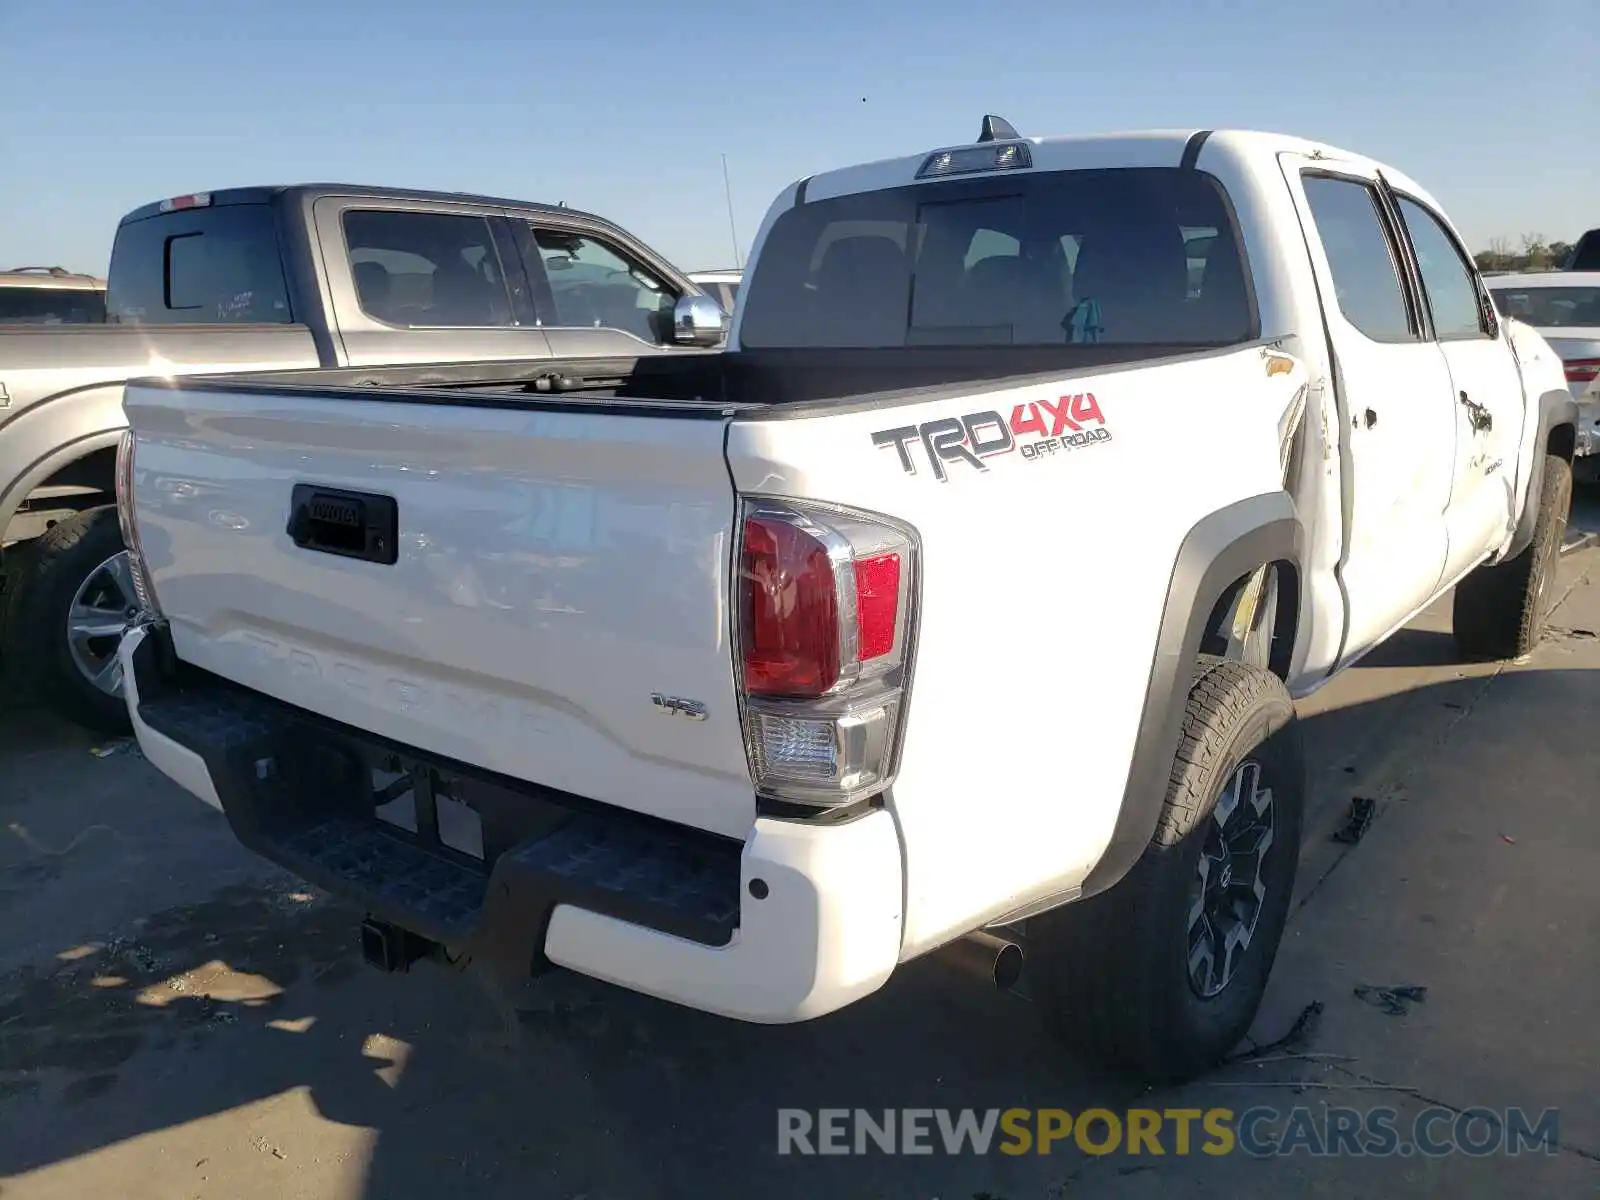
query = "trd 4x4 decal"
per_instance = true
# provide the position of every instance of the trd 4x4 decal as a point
(1045, 427)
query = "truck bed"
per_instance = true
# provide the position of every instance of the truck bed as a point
(715, 382)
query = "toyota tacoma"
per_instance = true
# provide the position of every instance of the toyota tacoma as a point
(962, 605)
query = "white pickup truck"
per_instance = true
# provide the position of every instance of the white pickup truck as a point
(960, 606)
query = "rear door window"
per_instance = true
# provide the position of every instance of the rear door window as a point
(1366, 278)
(424, 269)
(1060, 258)
(1447, 278)
(200, 266)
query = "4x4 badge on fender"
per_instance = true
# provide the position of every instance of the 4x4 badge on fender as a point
(1035, 429)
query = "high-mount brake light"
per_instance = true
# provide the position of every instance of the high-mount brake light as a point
(193, 200)
(825, 620)
(990, 156)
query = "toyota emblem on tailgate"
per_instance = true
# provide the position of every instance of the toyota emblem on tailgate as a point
(679, 707)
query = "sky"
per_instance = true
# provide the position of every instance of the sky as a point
(627, 108)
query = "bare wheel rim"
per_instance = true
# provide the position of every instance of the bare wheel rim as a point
(1229, 890)
(100, 611)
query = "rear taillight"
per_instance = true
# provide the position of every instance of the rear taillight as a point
(1582, 370)
(825, 618)
(142, 590)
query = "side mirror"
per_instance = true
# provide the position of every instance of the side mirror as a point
(698, 321)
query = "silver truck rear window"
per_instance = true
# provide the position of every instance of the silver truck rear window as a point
(199, 266)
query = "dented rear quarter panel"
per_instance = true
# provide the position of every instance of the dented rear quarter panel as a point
(1043, 579)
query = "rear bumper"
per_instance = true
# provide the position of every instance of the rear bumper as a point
(795, 922)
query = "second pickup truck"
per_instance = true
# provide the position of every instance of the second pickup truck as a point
(963, 602)
(279, 277)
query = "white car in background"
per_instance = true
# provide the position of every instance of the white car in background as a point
(1564, 306)
(721, 286)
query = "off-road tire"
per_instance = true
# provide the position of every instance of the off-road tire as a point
(37, 653)
(1500, 611)
(1111, 972)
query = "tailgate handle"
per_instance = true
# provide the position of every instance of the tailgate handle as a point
(351, 524)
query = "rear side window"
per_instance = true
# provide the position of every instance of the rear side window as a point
(1059, 258)
(1551, 307)
(1452, 288)
(51, 306)
(1366, 281)
(200, 266)
(426, 269)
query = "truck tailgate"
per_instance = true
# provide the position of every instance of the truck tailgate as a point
(555, 574)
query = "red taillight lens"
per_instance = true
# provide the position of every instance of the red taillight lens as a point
(877, 604)
(791, 611)
(825, 609)
(1582, 370)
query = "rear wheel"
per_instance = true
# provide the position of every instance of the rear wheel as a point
(66, 618)
(1160, 976)
(1500, 611)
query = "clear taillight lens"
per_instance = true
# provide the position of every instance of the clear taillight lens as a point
(825, 618)
(142, 590)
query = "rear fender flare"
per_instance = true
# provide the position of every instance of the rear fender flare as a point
(1230, 543)
(1556, 408)
(50, 435)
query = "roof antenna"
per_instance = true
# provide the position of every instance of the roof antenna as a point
(997, 128)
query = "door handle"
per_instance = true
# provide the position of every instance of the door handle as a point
(1482, 419)
(1371, 418)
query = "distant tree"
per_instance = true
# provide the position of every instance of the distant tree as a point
(1496, 258)
(1535, 252)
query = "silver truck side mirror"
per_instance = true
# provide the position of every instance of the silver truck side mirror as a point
(698, 321)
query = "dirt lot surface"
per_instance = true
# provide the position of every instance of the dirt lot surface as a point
(179, 1020)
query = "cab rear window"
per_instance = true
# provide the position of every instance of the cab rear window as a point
(1131, 256)
(199, 266)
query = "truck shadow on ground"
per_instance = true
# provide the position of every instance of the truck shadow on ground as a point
(574, 1089)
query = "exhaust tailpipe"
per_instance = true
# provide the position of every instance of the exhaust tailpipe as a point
(983, 956)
